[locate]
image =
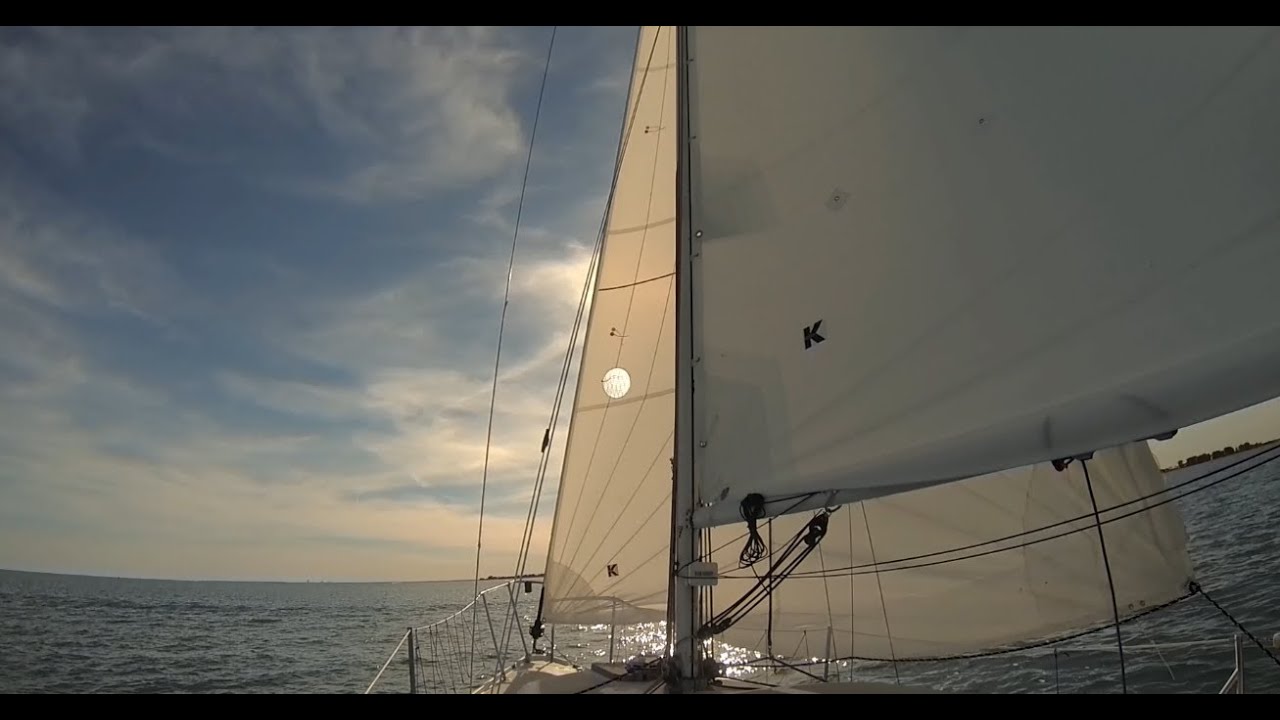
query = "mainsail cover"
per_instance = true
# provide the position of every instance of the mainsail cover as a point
(609, 555)
(927, 254)
(994, 561)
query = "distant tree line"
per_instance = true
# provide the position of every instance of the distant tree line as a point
(1224, 452)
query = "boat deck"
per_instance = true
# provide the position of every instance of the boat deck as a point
(556, 677)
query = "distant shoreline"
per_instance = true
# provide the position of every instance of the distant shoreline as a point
(304, 581)
(1219, 454)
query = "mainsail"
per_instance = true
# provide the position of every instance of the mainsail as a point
(608, 559)
(927, 254)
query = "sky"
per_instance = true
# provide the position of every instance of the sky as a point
(250, 287)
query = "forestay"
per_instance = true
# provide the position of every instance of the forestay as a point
(926, 254)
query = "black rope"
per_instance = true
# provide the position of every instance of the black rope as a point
(742, 535)
(751, 510)
(1236, 622)
(797, 668)
(809, 537)
(1106, 564)
(769, 630)
(535, 630)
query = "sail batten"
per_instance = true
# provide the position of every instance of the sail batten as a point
(928, 254)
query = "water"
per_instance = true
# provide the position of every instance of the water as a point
(81, 634)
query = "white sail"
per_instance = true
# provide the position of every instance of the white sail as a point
(1043, 576)
(926, 254)
(609, 554)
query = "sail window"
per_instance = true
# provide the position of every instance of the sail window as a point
(617, 382)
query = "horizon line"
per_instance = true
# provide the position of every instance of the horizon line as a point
(306, 581)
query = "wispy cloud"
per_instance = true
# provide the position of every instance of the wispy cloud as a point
(250, 283)
(402, 111)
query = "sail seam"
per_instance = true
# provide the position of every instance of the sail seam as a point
(653, 181)
(628, 401)
(640, 228)
(624, 286)
(648, 474)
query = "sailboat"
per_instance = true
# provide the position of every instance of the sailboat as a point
(883, 322)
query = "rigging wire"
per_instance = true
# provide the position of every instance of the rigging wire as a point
(799, 499)
(878, 567)
(1106, 563)
(1196, 587)
(526, 541)
(884, 608)
(502, 321)
(1193, 588)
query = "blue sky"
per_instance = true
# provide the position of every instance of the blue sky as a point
(250, 283)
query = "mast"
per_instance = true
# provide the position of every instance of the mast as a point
(684, 537)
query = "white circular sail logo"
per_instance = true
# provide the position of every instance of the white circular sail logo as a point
(616, 383)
